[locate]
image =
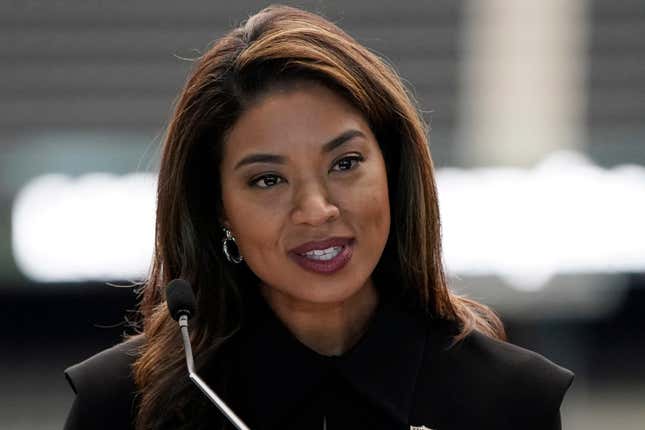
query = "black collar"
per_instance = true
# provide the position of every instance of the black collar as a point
(278, 370)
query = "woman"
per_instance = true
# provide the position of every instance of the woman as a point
(296, 194)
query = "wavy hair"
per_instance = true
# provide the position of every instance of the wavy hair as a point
(277, 45)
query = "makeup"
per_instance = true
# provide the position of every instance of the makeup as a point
(322, 263)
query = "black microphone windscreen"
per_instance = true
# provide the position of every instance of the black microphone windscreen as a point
(180, 298)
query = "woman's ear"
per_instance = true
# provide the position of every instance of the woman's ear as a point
(224, 222)
(222, 219)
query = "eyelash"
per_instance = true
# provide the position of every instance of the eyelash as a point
(357, 158)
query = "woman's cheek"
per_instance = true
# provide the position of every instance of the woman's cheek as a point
(256, 222)
(373, 194)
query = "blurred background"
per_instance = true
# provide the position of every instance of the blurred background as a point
(536, 109)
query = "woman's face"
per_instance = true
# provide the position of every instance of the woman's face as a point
(321, 175)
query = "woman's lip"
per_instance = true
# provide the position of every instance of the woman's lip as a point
(325, 266)
(321, 244)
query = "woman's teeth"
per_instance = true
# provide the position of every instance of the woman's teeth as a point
(324, 254)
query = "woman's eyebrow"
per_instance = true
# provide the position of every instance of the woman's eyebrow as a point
(280, 159)
(343, 138)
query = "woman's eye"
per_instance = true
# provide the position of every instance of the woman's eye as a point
(348, 163)
(266, 181)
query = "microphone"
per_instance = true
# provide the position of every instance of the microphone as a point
(180, 299)
(181, 305)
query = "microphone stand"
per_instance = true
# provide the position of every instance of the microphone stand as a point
(234, 419)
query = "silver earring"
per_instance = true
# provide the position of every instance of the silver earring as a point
(225, 242)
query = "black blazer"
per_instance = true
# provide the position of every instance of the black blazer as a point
(404, 364)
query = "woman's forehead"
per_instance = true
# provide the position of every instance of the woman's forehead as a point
(286, 119)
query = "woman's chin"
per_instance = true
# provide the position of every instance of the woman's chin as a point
(316, 296)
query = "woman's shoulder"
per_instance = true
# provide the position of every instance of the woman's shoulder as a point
(106, 372)
(501, 381)
(519, 367)
(104, 387)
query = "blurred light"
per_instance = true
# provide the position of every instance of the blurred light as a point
(99, 226)
(565, 215)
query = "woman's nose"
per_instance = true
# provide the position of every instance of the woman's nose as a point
(312, 206)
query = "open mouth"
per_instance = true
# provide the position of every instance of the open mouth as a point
(325, 261)
(323, 254)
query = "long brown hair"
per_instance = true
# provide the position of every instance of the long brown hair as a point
(278, 44)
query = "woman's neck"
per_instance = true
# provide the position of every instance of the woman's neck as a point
(331, 328)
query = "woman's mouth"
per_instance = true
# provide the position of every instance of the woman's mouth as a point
(324, 254)
(327, 260)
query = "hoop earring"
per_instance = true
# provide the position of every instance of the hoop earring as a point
(225, 242)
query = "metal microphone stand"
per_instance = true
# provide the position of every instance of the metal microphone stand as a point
(234, 419)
